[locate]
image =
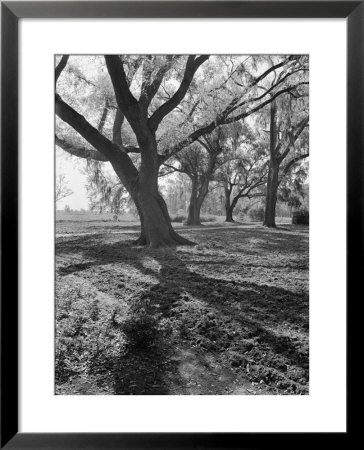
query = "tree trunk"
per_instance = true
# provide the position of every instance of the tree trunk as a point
(194, 213)
(271, 196)
(228, 206)
(198, 195)
(229, 215)
(156, 227)
(229, 212)
(194, 207)
(142, 239)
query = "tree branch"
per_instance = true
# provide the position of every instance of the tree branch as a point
(221, 120)
(116, 130)
(84, 128)
(191, 67)
(80, 152)
(271, 69)
(293, 137)
(149, 90)
(289, 90)
(292, 162)
(174, 169)
(61, 65)
(103, 116)
(124, 98)
(257, 108)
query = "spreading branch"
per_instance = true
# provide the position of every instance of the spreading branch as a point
(103, 116)
(292, 138)
(79, 151)
(191, 67)
(127, 103)
(84, 128)
(292, 162)
(149, 89)
(222, 119)
(61, 65)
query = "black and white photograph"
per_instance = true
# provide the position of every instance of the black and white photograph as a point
(181, 224)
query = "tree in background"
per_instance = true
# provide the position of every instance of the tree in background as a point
(293, 189)
(62, 189)
(288, 120)
(199, 162)
(177, 189)
(244, 168)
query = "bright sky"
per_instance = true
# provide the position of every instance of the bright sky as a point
(71, 167)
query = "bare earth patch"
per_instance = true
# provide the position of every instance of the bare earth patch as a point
(228, 316)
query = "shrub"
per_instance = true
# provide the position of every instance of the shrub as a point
(183, 218)
(256, 214)
(300, 217)
(208, 218)
(179, 218)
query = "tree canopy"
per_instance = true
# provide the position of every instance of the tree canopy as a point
(140, 112)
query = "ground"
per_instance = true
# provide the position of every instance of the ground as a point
(227, 316)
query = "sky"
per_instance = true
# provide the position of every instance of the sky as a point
(71, 167)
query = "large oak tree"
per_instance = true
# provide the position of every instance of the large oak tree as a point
(142, 184)
(145, 113)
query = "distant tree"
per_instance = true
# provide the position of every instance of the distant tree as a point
(287, 137)
(62, 188)
(199, 162)
(176, 191)
(244, 168)
(293, 189)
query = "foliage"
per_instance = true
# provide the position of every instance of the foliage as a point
(293, 188)
(224, 86)
(256, 214)
(180, 218)
(104, 191)
(301, 216)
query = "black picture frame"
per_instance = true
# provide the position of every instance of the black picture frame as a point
(11, 12)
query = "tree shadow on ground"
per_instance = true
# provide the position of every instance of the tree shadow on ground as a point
(282, 240)
(244, 316)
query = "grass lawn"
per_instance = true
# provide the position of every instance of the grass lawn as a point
(228, 316)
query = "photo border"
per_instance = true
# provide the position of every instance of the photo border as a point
(11, 12)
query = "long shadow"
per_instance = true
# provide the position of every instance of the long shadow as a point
(272, 240)
(257, 308)
(141, 365)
